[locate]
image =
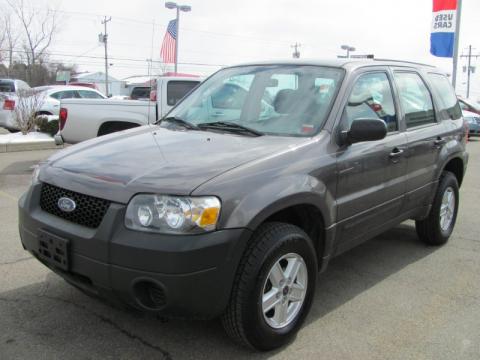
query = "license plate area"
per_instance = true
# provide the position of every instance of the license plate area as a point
(53, 250)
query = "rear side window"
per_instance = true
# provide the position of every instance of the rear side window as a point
(140, 93)
(448, 99)
(176, 90)
(415, 99)
(70, 94)
(372, 98)
(7, 86)
(86, 94)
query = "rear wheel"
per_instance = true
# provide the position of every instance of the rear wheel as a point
(273, 288)
(438, 226)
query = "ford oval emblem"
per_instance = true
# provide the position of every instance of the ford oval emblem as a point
(66, 204)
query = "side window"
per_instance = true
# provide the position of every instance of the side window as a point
(56, 95)
(86, 94)
(69, 94)
(176, 90)
(415, 99)
(140, 93)
(371, 98)
(448, 99)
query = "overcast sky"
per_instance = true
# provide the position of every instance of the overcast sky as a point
(228, 32)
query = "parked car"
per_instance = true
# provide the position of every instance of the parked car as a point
(201, 217)
(473, 121)
(52, 95)
(8, 99)
(82, 119)
(468, 105)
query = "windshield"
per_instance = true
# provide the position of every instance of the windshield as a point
(287, 100)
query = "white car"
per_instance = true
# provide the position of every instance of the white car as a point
(8, 98)
(53, 94)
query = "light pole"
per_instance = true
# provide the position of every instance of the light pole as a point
(348, 48)
(184, 8)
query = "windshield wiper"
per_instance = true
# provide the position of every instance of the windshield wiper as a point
(177, 121)
(230, 127)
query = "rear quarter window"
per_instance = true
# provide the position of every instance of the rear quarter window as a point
(449, 106)
(176, 90)
(7, 86)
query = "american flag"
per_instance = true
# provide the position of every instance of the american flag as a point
(168, 47)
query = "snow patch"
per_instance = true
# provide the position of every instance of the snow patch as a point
(19, 138)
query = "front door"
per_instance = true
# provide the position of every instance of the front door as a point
(371, 175)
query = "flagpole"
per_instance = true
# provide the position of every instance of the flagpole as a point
(456, 42)
(176, 40)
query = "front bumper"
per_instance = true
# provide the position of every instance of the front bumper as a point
(182, 276)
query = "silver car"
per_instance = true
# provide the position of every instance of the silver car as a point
(8, 98)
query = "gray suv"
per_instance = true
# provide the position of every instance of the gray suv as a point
(233, 203)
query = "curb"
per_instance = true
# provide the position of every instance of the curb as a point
(29, 146)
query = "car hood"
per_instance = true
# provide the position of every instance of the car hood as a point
(154, 159)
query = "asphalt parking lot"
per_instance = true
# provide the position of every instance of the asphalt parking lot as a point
(390, 298)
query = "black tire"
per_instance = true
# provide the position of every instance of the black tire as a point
(243, 319)
(429, 230)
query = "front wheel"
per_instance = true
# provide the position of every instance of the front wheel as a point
(273, 288)
(438, 226)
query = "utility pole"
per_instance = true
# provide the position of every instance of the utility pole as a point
(296, 53)
(105, 40)
(470, 68)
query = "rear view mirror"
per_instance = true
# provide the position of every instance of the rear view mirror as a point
(364, 130)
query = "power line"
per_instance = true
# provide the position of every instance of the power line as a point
(112, 58)
(149, 23)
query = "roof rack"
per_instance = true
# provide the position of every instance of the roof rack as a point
(403, 61)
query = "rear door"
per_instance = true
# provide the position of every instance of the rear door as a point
(371, 175)
(426, 135)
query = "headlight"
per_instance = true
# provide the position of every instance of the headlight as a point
(36, 171)
(172, 214)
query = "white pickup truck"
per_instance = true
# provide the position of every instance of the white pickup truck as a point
(82, 119)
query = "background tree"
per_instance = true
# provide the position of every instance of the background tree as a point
(10, 36)
(36, 30)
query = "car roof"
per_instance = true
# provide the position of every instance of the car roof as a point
(51, 88)
(348, 64)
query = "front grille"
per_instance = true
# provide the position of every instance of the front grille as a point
(89, 210)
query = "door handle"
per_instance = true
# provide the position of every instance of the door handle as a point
(395, 154)
(439, 142)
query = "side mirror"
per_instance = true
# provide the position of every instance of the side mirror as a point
(364, 130)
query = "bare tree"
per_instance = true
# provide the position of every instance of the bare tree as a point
(11, 36)
(39, 28)
(27, 105)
